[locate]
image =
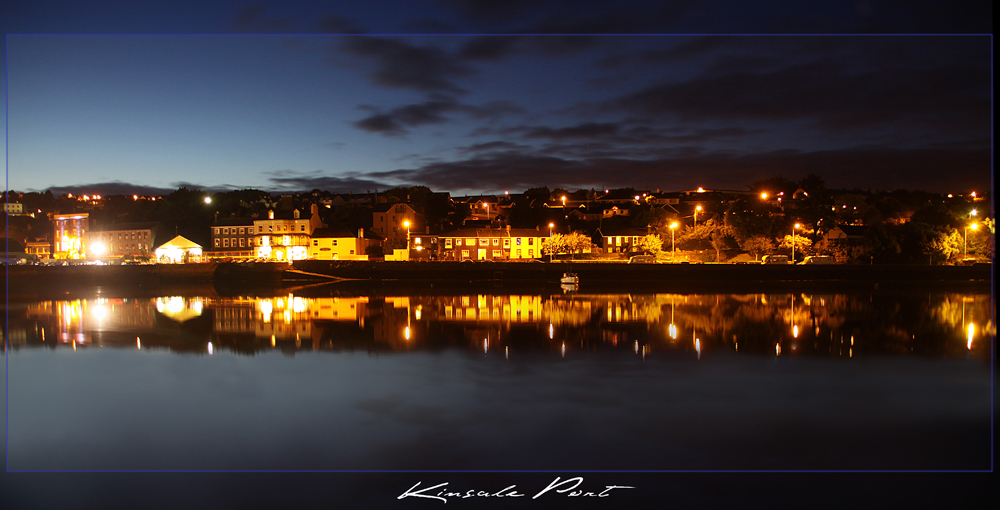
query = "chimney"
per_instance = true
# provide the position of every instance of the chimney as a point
(508, 229)
(361, 233)
(314, 209)
(537, 229)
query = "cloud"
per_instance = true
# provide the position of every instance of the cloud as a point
(110, 188)
(292, 181)
(864, 167)
(395, 122)
(250, 18)
(401, 65)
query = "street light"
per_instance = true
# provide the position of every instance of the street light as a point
(208, 200)
(797, 225)
(673, 247)
(763, 196)
(564, 201)
(406, 224)
(965, 239)
(551, 225)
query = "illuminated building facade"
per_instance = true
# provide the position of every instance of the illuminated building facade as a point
(389, 220)
(233, 238)
(492, 244)
(70, 235)
(285, 236)
(341, 244)
(179, 250)
(126, 240)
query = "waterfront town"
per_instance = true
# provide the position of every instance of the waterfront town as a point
(783, 220)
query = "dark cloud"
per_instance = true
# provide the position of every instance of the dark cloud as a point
(399, 64)
(395, 122)
(111, 188)
(492, 146)
(336, 24)
(827, 93)
(488, 48)
(288, 181)
(586, 130)
(864, 167)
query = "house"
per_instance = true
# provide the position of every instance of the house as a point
(13, 208)
(492, 244)
(394, 221)
(233, 238)
(123, 240)
(285, 235)
(179, 250)
(842, 233)
(621, 240)
(342, 244)
(40, 248)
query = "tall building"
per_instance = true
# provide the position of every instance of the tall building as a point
(70, 235)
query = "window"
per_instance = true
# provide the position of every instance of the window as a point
(352, 252)
(335, 242)
(496, 253)
(447, 243)
(416, 241)
(315, 242)
(225, 230)
(618, 241)
(531, 241)
(216, 241)
(531, 254)
(518, 242)
(242, 230)
(518, 253)
(506, 243)
(225, 243)
(465, 254)
(400, 209)
(496, 242)
(484, 242)
(635, 240)
(458, 242)
(302, 228)
(270, 228)
(260, 228)
(242, 242)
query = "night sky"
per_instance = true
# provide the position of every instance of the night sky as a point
(453, 95)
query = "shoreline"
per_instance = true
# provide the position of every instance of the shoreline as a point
(371, 276)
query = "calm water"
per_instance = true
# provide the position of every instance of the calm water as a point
(323, 379)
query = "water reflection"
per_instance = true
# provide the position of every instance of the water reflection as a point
(773, 324)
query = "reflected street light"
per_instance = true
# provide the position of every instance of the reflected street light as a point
(696, 211)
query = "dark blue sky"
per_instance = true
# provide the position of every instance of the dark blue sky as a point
(466, 102)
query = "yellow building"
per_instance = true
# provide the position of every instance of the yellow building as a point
(342, 244)
(492, 244)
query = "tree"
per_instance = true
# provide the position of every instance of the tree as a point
(555, 244)
(802, 243)
(578, 242)
(651, 244)
(757, 246)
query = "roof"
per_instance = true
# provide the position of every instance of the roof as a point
(179, 242)
(342, 233)
(234, 222)
(496, 232)
(118, 227)
(385, 207)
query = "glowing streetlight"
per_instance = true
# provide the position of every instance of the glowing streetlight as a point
(406, 224)
(763, 196)
(965, 239)
(551, 225)
(98, 249)
(208, 200)
(797, 225)
(673, 247)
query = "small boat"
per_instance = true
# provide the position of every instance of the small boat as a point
(569, 279)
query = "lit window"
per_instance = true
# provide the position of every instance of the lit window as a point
(496, 242)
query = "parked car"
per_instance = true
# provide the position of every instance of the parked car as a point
(819, 259)
(642, 259)
(774, 259)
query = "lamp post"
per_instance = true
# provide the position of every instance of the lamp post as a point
(551, 225)
(797, 225)
(673, 247)
(965, 239)
(696, 211)
(406, 223)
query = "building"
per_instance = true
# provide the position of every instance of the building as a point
(492, 244)
(621, 240)
(125, 240)
(13, 208)
(40, 249)
(285, 235)
(233, 238)
(342, 244)
(70, 232)
(390, 220)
